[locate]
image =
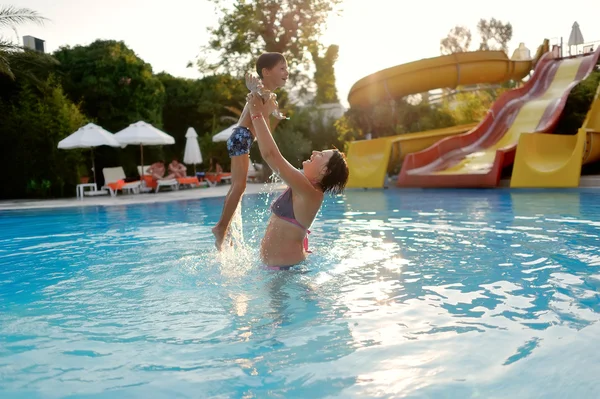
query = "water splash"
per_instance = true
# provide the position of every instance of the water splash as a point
(235, 256)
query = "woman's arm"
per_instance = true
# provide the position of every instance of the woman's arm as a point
(271, 154)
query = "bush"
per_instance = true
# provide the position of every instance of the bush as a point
(33, 122)
(578, 104)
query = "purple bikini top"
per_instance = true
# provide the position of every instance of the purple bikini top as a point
(283, 207)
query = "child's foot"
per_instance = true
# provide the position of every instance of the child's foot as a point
(219, 233)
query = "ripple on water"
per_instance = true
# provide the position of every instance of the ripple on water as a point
(408, 293)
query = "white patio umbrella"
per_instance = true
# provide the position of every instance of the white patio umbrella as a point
(575, 38)
(192, 154)
(223, 135)
(89, 136)
(143, 133)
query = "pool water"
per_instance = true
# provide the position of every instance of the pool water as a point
(409, 293)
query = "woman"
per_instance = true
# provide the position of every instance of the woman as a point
(285, 241)
(214, 166)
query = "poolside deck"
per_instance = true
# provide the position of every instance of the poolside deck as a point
(126, 199)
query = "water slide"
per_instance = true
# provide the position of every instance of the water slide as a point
(476, 158)
(368, 159)
(555, 160)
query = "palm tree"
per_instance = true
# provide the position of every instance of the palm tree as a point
(12, 54)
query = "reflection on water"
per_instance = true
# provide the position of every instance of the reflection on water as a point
(409, 293)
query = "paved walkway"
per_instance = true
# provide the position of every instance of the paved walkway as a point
(126, 199)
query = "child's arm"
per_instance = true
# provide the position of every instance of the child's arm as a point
(271, 154)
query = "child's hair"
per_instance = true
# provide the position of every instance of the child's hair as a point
(268, 60)
(335, 179)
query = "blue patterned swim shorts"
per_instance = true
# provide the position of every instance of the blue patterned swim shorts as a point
(240, 141)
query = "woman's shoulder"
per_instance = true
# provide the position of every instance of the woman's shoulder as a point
(313, 197)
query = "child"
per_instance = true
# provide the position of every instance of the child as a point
(273, 71)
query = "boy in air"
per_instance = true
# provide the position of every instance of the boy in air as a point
(273, 73)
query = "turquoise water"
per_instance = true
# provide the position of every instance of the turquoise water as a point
(409, 293)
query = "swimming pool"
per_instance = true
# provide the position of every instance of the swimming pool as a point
(409, 293)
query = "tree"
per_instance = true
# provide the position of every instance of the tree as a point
(325, 74)
(33, 122)
(469, 107)
(17, 61)
(115, 87)
(494, 34)
(457, 41)
(207, 105)
(249, 28)
(11, 17)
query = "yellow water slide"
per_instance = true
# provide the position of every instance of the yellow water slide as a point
(458, 69)
(555, 160)
(368, 159)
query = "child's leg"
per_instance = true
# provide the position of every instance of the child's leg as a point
(239, 174)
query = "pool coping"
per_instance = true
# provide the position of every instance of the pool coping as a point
(590, 181)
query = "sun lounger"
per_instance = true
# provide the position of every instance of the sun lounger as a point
(213, 178)
(191, 181)
(114, 180)
(155, 185)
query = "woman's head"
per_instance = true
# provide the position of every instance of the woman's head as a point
(329, 169)
(272, 69)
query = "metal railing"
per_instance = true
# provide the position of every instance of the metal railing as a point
(566, 50)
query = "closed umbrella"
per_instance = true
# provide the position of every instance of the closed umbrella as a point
(89, 136)
(575, 38)
(192, 153)
(143, 133)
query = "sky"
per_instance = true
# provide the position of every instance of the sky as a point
(372, 34)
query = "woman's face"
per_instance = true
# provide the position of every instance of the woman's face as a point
(316, 166)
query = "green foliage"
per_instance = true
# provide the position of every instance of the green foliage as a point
(578, 104)
(468, 107)
(420, 117)
(348, 129)
(325, 74)
(115, 87)
(307, 129)
(209, 105)
(248, 28)
(11, 17)
(210, 149)
(397, 117)
(32, 124)
(30, 65)
(292, 142)
(202, 104)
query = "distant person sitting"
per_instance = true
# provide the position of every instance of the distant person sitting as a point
(157, 171)
(214, 167)
(177, 169)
